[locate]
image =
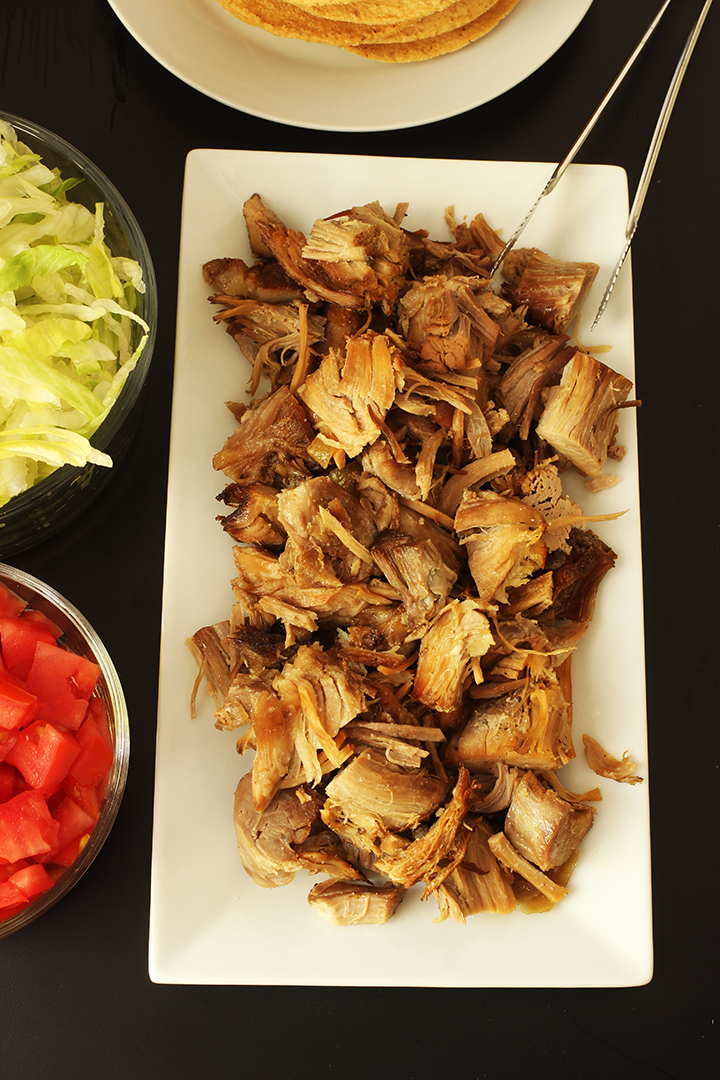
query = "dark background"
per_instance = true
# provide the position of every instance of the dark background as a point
(75, 997)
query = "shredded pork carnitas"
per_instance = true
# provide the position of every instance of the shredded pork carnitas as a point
(411, 580)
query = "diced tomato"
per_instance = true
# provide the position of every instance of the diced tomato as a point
(96, 757)
(44, 754)
(88, 798)
(7, 869)
(26, 827)
(73, 821)
(7, 741)
(11, 897)
(63, 682)
(68, 855)
(7, 781)
(10, 602)
(32, 881)
(19, 635)
(56, 754)
(98, 709)
(17, 705)
(42, 622)
(75, 826)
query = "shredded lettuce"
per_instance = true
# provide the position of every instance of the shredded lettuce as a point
(66, 321)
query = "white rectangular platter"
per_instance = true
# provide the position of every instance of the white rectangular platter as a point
(208, 922)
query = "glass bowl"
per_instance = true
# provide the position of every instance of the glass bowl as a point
(79, 637)
(54, 501)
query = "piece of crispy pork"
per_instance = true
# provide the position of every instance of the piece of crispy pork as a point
(352, 903)
(542, 826)
(553, 290)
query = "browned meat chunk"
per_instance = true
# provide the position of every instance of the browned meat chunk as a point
(245, 693)
(416, 524)
(268, 436)
(272, 336)
(381, 798)
(445, 324)
(577, 580)
(317, 694)
(480, 471)
(267, 590)
(296, 716)
(415, 568)
(347, 903)
(449, 655)
(553, 291)
(528, 727)
(265, 281)
(431, 857)
(506, 854)
(504, 542)
(349, 395)
(341, 323)
(580, 417)
(477, 235)
(267, 839)
(255, 517)
(401, 743)
(542, 826)
(256, 649)
(269, 236)
(363, 251)
(255, 212)
(213, 661)
(399, 476)
(528, 375)
(324, 853)
(329, 533)
(478, 884)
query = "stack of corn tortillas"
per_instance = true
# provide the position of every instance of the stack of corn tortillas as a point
(390, 30)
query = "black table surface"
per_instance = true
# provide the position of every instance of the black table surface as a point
(75, 996)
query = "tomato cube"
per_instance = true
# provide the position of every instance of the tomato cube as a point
(10, 602)
(74, 828)
(32, 881)
(11, 897)
(19, 635)
(7, 741)
(73, 821)
(7, 781)
(88, 798)
(69, 854)
(42, 622)
(26, 827)
(17, 705)
(96, 756)
(63, 683)
(7, 869)
(44, 755)
(98, 710)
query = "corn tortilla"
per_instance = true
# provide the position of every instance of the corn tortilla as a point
(437, 45)
(447, 26)
(373, 12)
(459, 13)
(286, 20)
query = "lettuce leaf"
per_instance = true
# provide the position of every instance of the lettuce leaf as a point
(66, 321)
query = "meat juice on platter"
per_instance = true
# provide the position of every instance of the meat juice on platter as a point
(412, 580)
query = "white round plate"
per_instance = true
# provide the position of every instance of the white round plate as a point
(323, 87)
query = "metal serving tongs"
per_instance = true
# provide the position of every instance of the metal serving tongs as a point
(650, 161)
